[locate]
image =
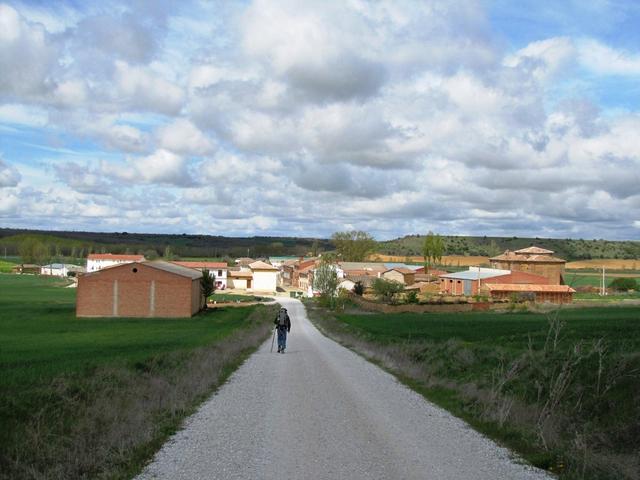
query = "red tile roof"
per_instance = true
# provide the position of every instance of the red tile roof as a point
(509, 287)
(111, 256)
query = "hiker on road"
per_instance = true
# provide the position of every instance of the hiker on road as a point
(283, 325)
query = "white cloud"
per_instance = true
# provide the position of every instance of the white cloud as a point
(9, 176)
(182, 136)
(605, 60)
(142, 88)
(27, 55)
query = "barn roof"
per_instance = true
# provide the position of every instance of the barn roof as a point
(478, 273)
(175, 269)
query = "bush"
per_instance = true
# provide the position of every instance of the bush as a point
(386, 290)
(412, 297)
(358, 288)
(624, 284)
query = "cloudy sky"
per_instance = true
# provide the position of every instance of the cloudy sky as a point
(487, 117)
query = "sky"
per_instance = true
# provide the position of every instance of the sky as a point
(242, 118)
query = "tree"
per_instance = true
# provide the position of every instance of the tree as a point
(32, 250)
(325, 281)
(358, 288)
(386, 290)
(208, 284)
(168, 253)
(315, 247)
(353, 246)
(432, 250)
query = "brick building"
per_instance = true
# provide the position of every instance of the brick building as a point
(533, 260)
(140, 289)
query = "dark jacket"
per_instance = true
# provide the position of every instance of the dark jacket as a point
(287, 322)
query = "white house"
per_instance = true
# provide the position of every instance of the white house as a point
(265, 277)
(239, 279)
(219, 270)
(60, 269)
(98, 261)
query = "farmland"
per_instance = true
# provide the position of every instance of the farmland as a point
(103, 391)
(535, 382)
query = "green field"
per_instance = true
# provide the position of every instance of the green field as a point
(56, 363)
(6, 265)
(541, 384)
(233, 297)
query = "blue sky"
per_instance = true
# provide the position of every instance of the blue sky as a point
(486, 117)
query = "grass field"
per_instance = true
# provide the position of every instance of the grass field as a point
(6, 265)
(56, 370)
(233, 297)
(563, 390)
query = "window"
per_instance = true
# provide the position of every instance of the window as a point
(219, 273)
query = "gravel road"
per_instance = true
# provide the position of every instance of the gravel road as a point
(322, 412)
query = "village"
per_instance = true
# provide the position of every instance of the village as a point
(130, 286)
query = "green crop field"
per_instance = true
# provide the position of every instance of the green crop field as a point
(620, 326)
(55, 363)
(40, 336)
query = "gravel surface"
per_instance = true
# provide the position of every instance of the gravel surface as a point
(322, 412)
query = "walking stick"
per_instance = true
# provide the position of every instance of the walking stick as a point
(272, 339)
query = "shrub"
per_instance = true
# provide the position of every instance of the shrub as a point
(623, 284)
(386, 290)
(412, 297)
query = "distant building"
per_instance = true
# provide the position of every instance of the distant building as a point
(265, 277)
(239, 279)
(98, 261)
(405, 276)
(61, 269)
(533, 260)
(140, 289)
(467, 282)
(217, 269)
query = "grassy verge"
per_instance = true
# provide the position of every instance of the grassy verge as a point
(562, 390)
(234, 297)
(95, 398)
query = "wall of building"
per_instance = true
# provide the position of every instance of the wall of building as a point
(552, 271)
(147, 292)
(540, 297)
(265, 280)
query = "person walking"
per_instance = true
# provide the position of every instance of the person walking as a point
(283, 325)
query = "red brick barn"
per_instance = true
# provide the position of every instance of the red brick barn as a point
(140, 289)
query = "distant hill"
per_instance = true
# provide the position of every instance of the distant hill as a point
(79, 244)
(569, 249)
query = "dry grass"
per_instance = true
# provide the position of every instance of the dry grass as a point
(108, 424)
(610, 263)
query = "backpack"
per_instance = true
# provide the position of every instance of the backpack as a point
(282, 318)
